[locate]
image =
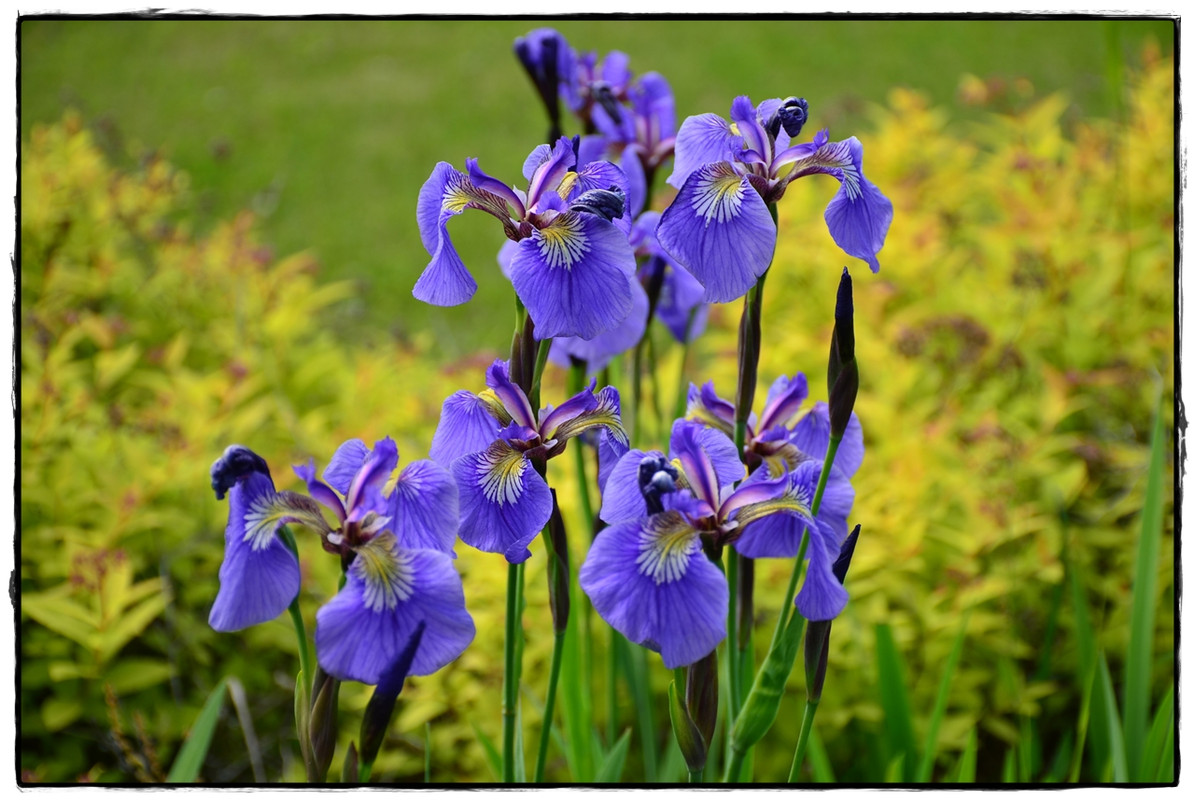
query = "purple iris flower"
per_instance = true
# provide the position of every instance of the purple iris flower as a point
(492, 443)
(681, 303)
(260, 575)
(397, 543)
(572, 268)
(393, 544)
(727, 173)
(648, 574)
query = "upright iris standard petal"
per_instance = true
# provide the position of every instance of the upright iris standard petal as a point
(701, 140)
(513, 398)
(708, 457)
(574, 276)
(812, 436)
(504, 501)
(365, 491)
(598, 351)
(388, 591)
(706, 406)
(425, 507)
(650, 580)
(466, 426)
(720, 229)
(784, 399)
(445, 281)
(822, 596)
(344, 465)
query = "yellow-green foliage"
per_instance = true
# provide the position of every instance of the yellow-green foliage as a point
(1011, 350)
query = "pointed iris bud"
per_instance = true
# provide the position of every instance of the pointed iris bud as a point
(606, 203)
(348, 773)
(236, 462)
(842, 374)
(539, 53)
(380, 708)
(323, 725)
(557, 541)
(604, 96)
(688, 737)
(817, 637)
(701, 695)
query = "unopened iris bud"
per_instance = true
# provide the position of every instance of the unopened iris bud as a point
(701, 695)
(557, 540)
(380, 708)
(817, 637)
(539, 53)
(604, 96)
(842, 374)
(605, 203)
(236, 462)
(792, 115)
(324, 725)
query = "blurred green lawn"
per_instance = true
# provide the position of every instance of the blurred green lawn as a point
(327, 129)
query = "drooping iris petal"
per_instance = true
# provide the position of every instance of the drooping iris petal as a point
(636, 188)
(701, 140)
(445, 281)
(574, 276)
(859, 214)
(812, 435)
(784, 399)
(260, 575)
(778, 535)
(622, 499)
(598, 351)
(345, 464)
(504, 501)
(388, 591)
(719, 228)
(821, 597)
(425, 507)
(650, 580)
(708, 457)
(466, 426)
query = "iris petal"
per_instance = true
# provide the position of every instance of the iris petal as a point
(822, 596)
(445, 281)
(260, 575)
(466, 426)
(601, 349)
(425, 507)
(621, 497)
(345, 464)
(719, 228)
(574, 276)
(812, 435)
(784, 399)
(388, 591)
(504, 501)
(650, 580)
(701, 140)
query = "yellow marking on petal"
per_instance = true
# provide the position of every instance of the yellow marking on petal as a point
(566, 184)
(562, 244)
(501, 473)
(718, 195)
(698, 411)
(786, 502)
(385, 572)
(268, 512)
(665, 546)
(602, 418)
(455, 200)
(494, 405)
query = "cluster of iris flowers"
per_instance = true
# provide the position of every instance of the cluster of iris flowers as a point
(592, 265)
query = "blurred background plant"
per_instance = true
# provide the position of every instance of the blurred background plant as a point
(1013, 351)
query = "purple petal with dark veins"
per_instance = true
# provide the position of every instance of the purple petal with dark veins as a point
(701, 140)
(504, 501)
(465, 426)
(425, 507)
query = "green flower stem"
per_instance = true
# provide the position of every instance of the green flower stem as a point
(510, 678)
(803, 739)
(549, 707)
(682, 385)
(541, 360)
(732, 638)
(612, 660)
(304, 649)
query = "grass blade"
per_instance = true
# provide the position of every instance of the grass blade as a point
(189, 760)
(1105, 721)
(492, 757)
(1009, 773)
(925, 767)
(819, 760)
(1085, 638)
(968, 760)
(1161, 731)
(575, 705)
(611, 769)
(1145, 597)
(894, 699)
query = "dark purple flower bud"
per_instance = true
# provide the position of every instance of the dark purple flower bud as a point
(380, 708)
(817, 636)
(793, 114)
(606, 203)
(842, 374)
(604, 96)
(701, 695)
(557, 541)
(237, 462)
